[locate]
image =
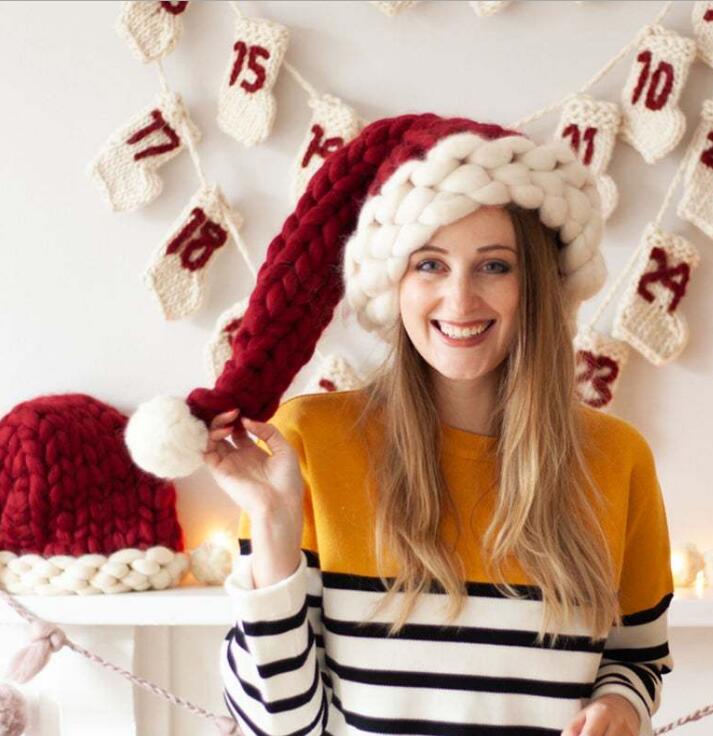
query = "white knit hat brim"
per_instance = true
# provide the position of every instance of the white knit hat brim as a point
(459, 174)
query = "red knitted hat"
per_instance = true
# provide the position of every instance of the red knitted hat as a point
(76, 514)
(370, 204)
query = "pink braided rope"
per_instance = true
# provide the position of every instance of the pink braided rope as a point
(225, 724)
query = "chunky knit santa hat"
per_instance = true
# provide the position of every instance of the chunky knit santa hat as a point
(365, 210)
(76, 515)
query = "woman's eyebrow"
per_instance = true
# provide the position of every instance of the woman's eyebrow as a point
(481, 249)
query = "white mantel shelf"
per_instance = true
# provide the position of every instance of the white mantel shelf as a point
(196, 605)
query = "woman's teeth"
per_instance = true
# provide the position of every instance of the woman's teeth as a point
(462, 333)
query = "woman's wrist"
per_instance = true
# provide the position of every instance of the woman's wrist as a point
(275, 544)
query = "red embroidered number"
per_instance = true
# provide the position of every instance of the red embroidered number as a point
(208, 239)
(174, 8)
(667, 276)
(655, 98)
(593, 364)
(317, 146)
(242, 51)
(572, 131)
(158, 124)
(707, 155)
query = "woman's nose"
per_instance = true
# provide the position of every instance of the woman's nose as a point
(463, 294)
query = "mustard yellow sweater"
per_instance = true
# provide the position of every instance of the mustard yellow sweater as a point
(295, 661)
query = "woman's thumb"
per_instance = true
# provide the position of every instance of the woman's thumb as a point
(268, 433)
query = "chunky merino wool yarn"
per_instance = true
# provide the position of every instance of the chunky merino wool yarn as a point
(365, 210)
(76, 514)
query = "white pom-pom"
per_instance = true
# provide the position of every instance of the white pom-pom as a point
(211, 563)
(165, 439)
(13, 711)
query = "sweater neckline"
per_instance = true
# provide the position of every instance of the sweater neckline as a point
(467, 444)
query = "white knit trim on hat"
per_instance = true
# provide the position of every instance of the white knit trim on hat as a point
(462, 172)
(125, 570)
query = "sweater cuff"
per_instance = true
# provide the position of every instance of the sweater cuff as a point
(646, 728)
(271, 602)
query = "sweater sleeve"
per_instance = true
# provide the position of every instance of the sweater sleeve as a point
(636, 654)
(272, 659)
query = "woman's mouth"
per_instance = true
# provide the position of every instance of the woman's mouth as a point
(460, 337)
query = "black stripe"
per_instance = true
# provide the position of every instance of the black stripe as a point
(462, 634)
(655, 670)
(278, 666)
(616, 677)
(278, 626)
(246, 548)
(293, 702)
(368, 583)
(468, 683)
(644, 675)
(436, 728)
(234, 709)
(372, 584)
(648, 614)
(640, 654)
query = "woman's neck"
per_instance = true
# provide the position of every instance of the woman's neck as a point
(468, 405)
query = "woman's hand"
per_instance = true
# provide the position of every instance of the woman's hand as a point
(260, 483)
(610, 714)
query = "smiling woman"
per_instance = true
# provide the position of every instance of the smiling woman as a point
(448, 302)
(521, 535)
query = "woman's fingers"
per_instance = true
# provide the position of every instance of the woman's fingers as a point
(220, 433)
(227, 417)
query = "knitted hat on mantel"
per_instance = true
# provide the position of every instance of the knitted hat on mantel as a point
(76, 514)
(365, 210)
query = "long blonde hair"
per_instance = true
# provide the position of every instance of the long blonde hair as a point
(543, 514)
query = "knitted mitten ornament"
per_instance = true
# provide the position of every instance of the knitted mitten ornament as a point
(702, 19)
(125, 169)
(488, 7)
(599, 363)
(333, 124)
(392, 7)
(370, 204)
(152, 29)
(177, 272)
(647, 316)
(696, 205)
(334, 374)
(76, 515)
(220, 346)
(246, 104)
(591, 127)
(653, 123)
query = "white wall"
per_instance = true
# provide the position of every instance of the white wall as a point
(74, 316)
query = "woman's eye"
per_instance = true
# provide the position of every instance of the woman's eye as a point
(505, 268)
(418, 267)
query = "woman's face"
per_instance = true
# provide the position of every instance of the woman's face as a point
(466, 273)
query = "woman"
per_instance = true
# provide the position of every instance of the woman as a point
(459, 546)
